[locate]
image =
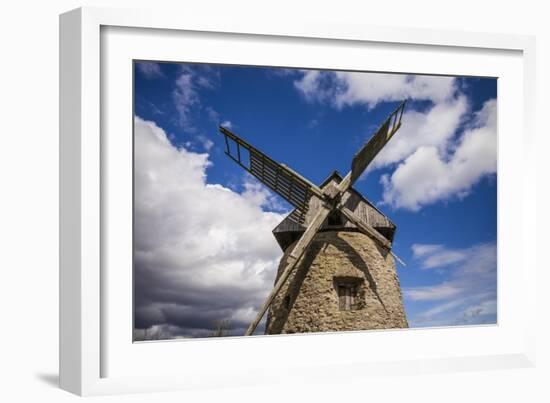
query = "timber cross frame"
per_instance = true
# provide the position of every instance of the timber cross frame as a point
(297, 190)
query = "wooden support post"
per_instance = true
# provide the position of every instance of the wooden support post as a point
(293, 258)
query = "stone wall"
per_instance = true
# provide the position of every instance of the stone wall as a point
(309, 300)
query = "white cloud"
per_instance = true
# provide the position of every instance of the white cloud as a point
(467, 295)
(420, 250)
(471, 266)
(439, 309)
(431, 174)
(432, 128)
(435, 159)
(348, 88)
(437, 256)
(206, 143)
(482, 309)
(150, 69)
(227, 124)
(313, 123)
(186, 96)
(202, 251)
(212, 114)
(263, 196)
(437, 292)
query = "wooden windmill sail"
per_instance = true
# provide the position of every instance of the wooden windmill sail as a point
(313, 205)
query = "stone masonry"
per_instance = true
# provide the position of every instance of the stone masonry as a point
(310, 302)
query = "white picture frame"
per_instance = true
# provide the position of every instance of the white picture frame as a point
(86, 310)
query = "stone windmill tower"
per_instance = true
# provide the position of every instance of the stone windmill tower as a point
(338, 270)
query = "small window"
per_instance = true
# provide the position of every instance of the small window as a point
(347, 297)
(350, 291)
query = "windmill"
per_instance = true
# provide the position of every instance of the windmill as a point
(351, 237)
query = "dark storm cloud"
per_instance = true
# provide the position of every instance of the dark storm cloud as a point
(202, 253)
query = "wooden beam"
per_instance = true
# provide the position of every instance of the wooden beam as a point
(345, 183)
(397, 258)
(292, 260)
(376, 143)
(367, 229)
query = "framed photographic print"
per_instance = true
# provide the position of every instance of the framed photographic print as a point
(232, 197)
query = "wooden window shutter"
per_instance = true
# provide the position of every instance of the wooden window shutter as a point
(347, 297)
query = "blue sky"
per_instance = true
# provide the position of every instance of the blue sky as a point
(436, 180)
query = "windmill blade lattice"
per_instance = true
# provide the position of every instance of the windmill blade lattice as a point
(282, 180)
(376, 143)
